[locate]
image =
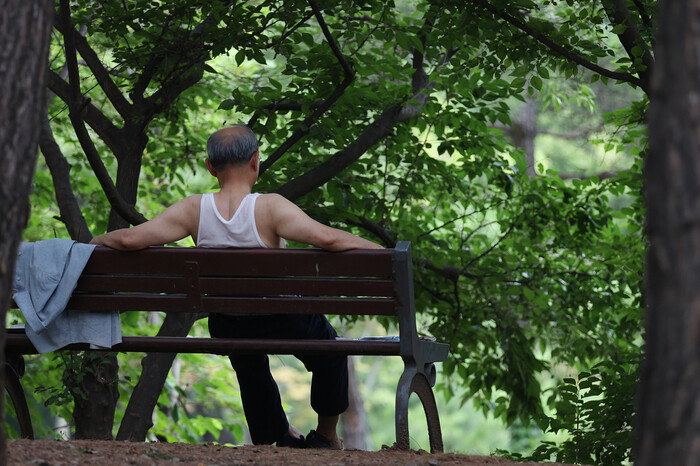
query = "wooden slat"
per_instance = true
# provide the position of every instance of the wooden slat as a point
(237, 305)
(128, 302)
(296, 286)
(238, 286)
(304, 305)
(131, 283)
(245, 262)
(225, 346)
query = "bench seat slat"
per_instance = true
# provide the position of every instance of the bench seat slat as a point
(341, 306)
(245, 262)
(225, 346)
(234, 305)
(238, 286)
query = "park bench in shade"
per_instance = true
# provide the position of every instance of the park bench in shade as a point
(258, 281)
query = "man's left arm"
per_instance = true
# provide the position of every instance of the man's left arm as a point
(174, 223)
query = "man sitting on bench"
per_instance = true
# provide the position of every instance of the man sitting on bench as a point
(235, 217)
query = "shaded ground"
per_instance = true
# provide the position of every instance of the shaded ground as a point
(106, 453)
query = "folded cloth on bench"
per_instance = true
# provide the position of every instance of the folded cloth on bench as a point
(46, 274)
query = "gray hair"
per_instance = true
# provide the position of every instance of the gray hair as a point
(233, 145)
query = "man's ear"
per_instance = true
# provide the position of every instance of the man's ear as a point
(255, 161)
(211, 168)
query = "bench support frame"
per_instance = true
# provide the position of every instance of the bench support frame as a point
(419, 373)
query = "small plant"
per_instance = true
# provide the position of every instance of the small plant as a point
(596, 410)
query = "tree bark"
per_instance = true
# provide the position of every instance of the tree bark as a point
(139, 412)
(25, 29)
(71, 215)
(668, 424)
(523, 133)
(95, 396)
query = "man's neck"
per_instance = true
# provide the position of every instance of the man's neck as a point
(235, 183)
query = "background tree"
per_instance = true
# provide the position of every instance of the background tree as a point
(668, 414)
(24, 29)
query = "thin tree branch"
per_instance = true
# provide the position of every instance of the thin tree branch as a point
(331, 41)
(377, 130)
(127, 211)
(626, 77)
(381, 127)
(449, 272)
(619, 14)
(102, 125)
(282, 106)
(289, 32)
(387, 238)
(304, 127)
(443, 225)
(583, 132)
(121, 105)
(186, 76)
(493, 246)
(646, 19)
(71, 215)
(601, 175)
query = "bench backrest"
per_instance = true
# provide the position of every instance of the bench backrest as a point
(240, 281)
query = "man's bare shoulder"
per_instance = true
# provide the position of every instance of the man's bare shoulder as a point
(194, 199)
(272, 198)
(189, 202)
(273, 202)
(184, 209)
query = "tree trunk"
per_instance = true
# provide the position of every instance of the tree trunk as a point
(25, 29)
(139, 412)
(523, 133)
(668, 403)
(128, 170)
(95, 396)
(94, 415)
(354, 420)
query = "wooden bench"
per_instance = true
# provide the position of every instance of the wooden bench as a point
(258, 281)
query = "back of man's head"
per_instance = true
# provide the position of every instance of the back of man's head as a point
(233, 145)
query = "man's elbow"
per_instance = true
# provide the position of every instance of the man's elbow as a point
(127, 240)
(328, 240)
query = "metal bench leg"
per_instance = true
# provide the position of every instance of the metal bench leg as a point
(14, 369)
(414, 382)
(422, 388)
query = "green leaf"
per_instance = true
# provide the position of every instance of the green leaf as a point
(536, 82)
(521, 71)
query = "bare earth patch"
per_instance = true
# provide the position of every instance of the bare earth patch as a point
(106, 453)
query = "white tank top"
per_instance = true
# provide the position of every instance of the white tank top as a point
(238, 232)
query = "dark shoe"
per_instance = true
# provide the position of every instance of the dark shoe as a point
(291, 442)
(316, 440)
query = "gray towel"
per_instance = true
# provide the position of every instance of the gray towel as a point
(46, 274)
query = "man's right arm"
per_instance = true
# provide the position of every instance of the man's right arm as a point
(291, 223)
(174, 223)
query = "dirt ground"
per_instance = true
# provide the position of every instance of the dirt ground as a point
(107, 453)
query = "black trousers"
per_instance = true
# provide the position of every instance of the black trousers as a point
(260, 395)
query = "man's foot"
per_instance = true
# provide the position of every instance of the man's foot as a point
(316, 440)
(291, 441)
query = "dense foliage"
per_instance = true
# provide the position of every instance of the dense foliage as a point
(387, 118)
